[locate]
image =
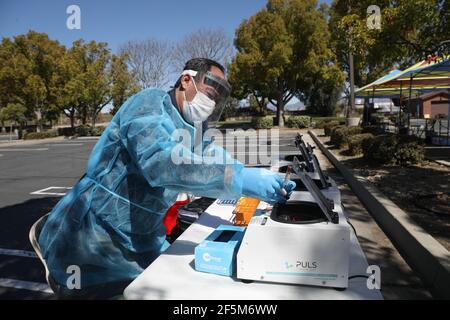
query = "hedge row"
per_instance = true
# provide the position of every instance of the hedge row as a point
(394, 150)
(355, 143)
(40, 135)
(384, 149)
(322, 123)
(328, 127)
(340, 135)
(82, 131)
(298, 122)
(262, 123)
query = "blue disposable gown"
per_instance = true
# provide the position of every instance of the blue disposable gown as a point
(110, 223)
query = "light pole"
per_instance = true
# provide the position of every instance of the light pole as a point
(350, 121)
(352, 81)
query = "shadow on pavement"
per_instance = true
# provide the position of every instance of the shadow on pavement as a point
(16, 221)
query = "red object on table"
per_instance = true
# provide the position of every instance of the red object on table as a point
(171, 217)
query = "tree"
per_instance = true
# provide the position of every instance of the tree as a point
(28, 64)
(70, 84)
(97, 78)
(123, 83)
(149, 61)
(229, 109)
(47, 79)
(84, 81)
(280, 51)
(14, 113)
(324, 93)
(409, 29)
(36, 91)
(12, 66)
(14, 69)
(259, 105)
(204, 43)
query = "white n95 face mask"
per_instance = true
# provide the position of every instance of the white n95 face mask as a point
(199, 109)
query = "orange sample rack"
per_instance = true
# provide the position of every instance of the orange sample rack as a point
(245, 208)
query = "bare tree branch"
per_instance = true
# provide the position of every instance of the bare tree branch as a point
(288, 98)
(150, 61)
(204, 43)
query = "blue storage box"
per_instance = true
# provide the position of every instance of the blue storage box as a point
(217, 253)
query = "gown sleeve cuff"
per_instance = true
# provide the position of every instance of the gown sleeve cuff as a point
(233, 180)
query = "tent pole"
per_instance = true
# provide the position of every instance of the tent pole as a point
(400, 107)
(409, 102)
(448, 119)
(373, 103)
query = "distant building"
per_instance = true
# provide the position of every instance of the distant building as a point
(430, 105)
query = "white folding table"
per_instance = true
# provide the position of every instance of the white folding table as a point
(172, 275)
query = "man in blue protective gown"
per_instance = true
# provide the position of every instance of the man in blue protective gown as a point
(110, 223)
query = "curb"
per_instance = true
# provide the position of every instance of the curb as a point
(86, 138)
(421, 251)
(441, 162)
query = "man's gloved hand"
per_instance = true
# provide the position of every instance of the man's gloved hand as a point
(265, 185)
(290, 187)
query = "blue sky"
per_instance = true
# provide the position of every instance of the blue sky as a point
(116, 21)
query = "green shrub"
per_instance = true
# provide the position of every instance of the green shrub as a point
(83, 130)
(341, 135)
(381, 149)
(355, 143)
(262, 123)
(298, 122)
(410, 150)
(329, 126)
(394, 150)
(367, 146)
(333, 131)
(319, 124)
(67, 131)
(341, 120)
(97, 131)
(52, 132)
(40, 135)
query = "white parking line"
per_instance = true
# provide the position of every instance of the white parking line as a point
(35, 149)
(45, 191)
(27, 285)
(18, 253)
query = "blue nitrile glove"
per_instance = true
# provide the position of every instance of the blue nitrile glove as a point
(264, 184)
(290, 187)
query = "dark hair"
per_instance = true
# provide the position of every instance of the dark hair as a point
(202, 65)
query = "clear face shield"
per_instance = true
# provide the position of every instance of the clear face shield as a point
(211, 97)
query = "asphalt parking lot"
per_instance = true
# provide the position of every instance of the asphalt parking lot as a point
(29, 175)
(33, 177)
